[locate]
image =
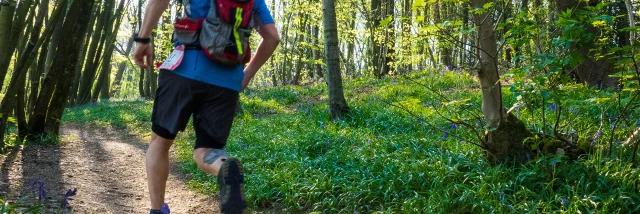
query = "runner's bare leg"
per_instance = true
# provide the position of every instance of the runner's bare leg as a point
(157, 158)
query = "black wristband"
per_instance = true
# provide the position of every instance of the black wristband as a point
(141, 40)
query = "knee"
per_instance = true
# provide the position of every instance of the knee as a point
(160, 143)
(198, 157)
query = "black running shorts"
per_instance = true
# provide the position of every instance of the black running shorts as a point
(177, 98)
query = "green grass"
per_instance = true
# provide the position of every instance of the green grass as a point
(380, 159)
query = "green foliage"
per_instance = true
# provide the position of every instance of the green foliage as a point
(381, 159)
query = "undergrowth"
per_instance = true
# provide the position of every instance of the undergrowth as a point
(382, 159)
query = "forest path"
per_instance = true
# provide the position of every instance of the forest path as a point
(107, 167)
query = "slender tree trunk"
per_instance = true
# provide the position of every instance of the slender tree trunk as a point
(34, 79)
(121, 68)
(20, 104)
(504, 141)
(351, 48)
(81, 59)
(97, 43)
(389, 46)
(300, 51)
(6, 23)
(632, 21)
(20, 33)
(375, 46)
(147, 83)
(36, 41)
(316, 53)
(285, 67)
(74, 28)
(141, 83)
(337, 102)
(102, 85)
(53, 43)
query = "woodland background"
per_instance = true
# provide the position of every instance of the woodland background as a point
(503, 90)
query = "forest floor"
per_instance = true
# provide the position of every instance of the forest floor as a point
(106, 166)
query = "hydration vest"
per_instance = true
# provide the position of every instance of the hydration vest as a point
(223, 35)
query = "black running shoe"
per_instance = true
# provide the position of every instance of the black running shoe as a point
(230, 180)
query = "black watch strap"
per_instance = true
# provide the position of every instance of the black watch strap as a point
(141, 40)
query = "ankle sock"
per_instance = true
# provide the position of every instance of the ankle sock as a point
(156, 212)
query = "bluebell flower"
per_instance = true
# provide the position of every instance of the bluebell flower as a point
(553, 163)
(517, 108)
(326, 143)
(619, 87)
(39, 187)
(553, 107)
(446, 135)
(165, 209)
(611, 117)
(500, 195)
(564, 201)
(598, 134)
(454, 126)
(67, 197)
(528, 157)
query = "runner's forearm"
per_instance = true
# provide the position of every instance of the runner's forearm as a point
(270, 42)
(152, 14)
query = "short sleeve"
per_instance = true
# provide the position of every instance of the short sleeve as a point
(262, 14)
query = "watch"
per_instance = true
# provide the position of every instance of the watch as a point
(141, 40)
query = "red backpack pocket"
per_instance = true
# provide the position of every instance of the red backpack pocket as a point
(187, 30)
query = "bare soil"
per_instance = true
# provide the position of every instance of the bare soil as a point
(106, 166)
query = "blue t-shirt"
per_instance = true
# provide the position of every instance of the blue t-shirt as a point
(197, 66)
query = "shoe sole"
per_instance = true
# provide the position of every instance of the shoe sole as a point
(232, 201)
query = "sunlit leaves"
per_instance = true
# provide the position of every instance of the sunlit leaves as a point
(386, 21)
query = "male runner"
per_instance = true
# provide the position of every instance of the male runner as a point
(208, 91)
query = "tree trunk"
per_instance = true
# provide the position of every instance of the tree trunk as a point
(351, 49)
(316, 53)
(121, 68)
(389, 51)
(153, 84)
(19, 31)
(97, 43)
(141, 83)
(102, 85)
(504, 141)
(337, 102)
(300, 51)
(81, 59)
(9, 101)
(6, 23)
(74, 29)
(34, 79)
(17, 17)
(20, 104)
(53, 43)
(594, 72)
(632, 21)
(375, 49)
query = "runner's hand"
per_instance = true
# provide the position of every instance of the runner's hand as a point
(142, 52)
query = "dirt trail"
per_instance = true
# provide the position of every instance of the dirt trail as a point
(107, 168)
